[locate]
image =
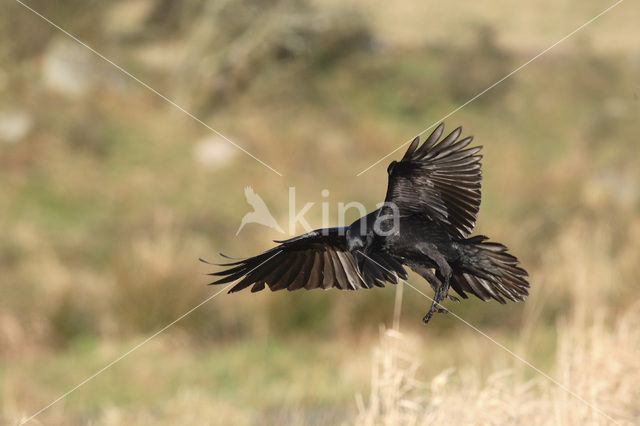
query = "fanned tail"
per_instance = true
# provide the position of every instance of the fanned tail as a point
(489, 272)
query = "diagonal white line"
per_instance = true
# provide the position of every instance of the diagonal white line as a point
(501, 346)
(122, 70)
(498, 82)
(524, 361)
(64, 395)
(103, 369)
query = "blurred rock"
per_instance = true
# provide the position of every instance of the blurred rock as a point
(213, 151)
(14, 125)
(67, 67)
(72, 69)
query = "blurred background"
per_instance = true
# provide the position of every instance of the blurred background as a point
(109, 195)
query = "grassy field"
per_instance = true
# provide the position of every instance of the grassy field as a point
(109, 195)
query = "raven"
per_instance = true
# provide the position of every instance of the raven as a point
(432, 200)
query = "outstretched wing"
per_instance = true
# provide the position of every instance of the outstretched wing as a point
(440, 180)
(318, 259)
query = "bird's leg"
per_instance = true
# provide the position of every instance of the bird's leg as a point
(435, 283)
(438, 289)
(437, 298)
(439, 295)
(441, 282)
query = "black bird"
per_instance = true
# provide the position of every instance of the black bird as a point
(432, 201)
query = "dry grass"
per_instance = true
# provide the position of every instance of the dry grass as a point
(597, 355)
(599, 363)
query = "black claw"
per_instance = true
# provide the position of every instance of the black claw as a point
(454, 298)
(429, 314)
(433, 310)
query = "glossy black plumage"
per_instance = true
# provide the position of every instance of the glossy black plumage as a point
(431, 205)
(318, 259)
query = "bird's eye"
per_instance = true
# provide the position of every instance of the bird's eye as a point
(391, 166)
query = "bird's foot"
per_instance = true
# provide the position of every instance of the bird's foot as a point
(440, 294)
(432, 310)
(454, 298)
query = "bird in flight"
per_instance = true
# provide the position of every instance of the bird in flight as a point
(430, 210)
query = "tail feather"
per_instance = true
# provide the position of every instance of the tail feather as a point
(489, 272)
